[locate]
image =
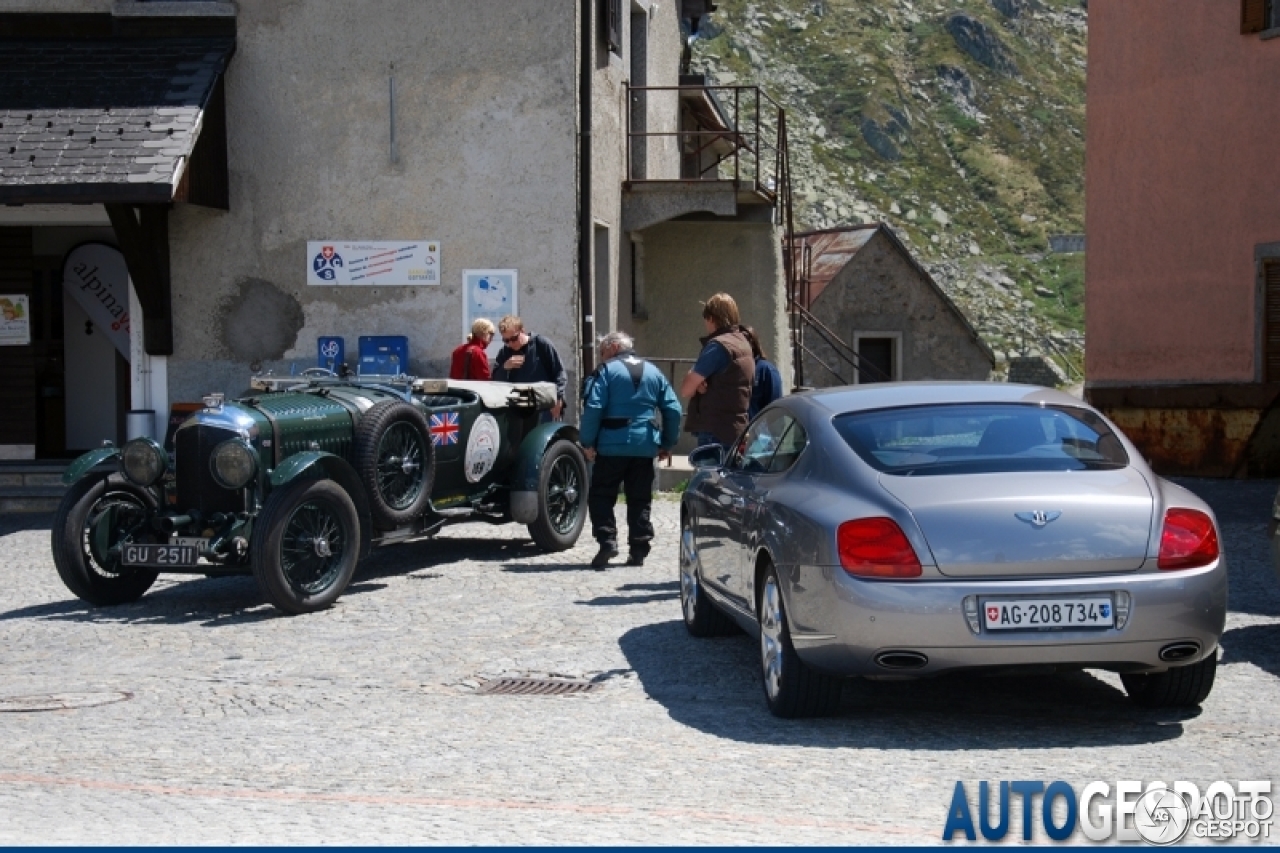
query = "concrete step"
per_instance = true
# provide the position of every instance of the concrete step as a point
(679, 471)
(31, 486)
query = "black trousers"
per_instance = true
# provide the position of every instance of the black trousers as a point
(635, 475)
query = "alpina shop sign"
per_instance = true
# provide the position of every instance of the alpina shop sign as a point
(96, 276)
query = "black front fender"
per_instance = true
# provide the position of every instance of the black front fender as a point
(319, 464)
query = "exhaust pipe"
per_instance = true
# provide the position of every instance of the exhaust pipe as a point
(900, 659)
(1179, 651)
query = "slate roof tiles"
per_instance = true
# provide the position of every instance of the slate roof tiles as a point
(103, 111)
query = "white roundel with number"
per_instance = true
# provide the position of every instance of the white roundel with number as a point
(482, 448)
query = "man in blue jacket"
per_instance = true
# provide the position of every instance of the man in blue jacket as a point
(619, 430)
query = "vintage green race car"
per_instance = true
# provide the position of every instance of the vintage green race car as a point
(295, 484)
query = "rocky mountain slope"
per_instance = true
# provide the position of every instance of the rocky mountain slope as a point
(959, 122)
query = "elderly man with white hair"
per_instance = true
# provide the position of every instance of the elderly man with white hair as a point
(630, 415)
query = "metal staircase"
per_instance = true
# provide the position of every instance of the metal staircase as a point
(797, 260)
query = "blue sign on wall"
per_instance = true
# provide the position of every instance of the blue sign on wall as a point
(332, 352)
(384, 355)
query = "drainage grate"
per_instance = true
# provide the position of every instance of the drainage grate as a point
(536, 687)
(59, 701)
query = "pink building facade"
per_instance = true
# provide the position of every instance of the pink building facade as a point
(1183, 218)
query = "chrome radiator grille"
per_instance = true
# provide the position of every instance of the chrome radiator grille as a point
(196, 487)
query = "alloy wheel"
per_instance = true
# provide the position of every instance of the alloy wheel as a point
(771, 638)
(688, 574)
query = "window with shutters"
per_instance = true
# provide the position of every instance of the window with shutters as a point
(611, 22)
(1271, 321)
(1259, 15)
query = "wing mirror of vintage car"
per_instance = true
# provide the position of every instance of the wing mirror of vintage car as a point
(707, 456)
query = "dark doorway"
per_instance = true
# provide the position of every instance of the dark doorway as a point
(875, 360)
(50, 367)
(17, 360)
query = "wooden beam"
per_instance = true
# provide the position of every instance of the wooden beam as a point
(205, 181)
(144, 242)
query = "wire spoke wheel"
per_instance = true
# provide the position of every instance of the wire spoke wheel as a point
(401, 455)
(563, 492)
(395, 460)
(562, 497)
(305, 545)
(127, 515)
(312, 548)
(95, 518)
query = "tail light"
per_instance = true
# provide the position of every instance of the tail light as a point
(876, 548)
(1188, 540)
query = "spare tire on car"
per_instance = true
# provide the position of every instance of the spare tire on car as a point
(396, 462)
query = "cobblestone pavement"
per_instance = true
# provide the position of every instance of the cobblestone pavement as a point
(225, 722)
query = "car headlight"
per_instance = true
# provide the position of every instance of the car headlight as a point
(143, 461)
(233, 464)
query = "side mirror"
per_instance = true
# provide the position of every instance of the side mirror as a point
(707, 456)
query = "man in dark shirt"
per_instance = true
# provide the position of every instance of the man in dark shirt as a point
(529, 358)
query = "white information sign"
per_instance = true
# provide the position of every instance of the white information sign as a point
(373, 262)
(490, 294)
(15, 320)
(97, 277)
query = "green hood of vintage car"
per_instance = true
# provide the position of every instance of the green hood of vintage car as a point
(304, 422)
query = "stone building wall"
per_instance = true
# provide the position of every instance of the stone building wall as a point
(486, 123)
(880, 290)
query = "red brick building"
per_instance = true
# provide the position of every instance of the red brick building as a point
(1183, 216)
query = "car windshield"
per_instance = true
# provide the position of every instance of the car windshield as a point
(981, 438)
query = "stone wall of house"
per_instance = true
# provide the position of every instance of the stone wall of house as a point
(486, 129)
(881, 291)
(654, 28)
(1036, 370)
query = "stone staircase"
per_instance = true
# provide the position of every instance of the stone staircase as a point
(31, 486)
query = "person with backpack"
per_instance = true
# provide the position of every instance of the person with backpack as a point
(625, 399)
(470, 361)
(766, 385)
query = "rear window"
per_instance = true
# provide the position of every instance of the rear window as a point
(978, 439)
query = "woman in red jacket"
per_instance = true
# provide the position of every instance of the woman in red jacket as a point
(470, 361)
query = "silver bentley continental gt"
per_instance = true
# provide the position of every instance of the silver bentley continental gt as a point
(914, 529)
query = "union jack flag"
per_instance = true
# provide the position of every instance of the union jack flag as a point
(444, 428)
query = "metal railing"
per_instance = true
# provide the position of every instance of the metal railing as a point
(670, 373)
(740, 136)
(724, 133)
